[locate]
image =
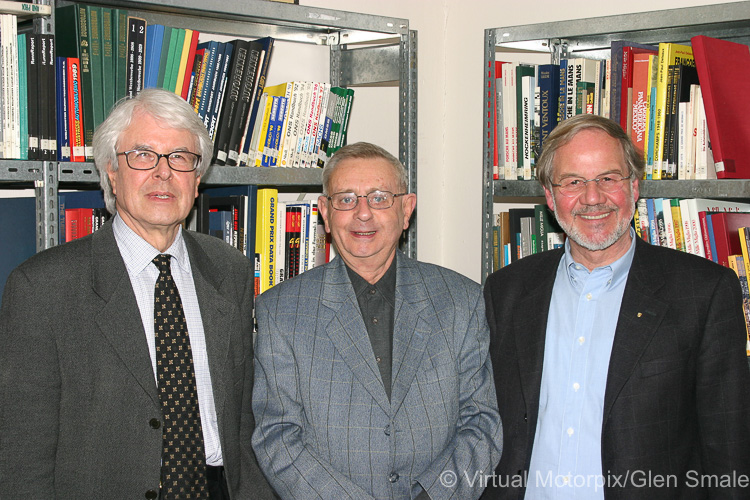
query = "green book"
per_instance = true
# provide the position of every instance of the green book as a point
(165, 64)
(120, 27)
(23, 97)
(108, 59)
(93, 15)
(173, 61)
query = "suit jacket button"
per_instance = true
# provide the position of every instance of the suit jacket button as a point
(151, 495)
(387, 430)
(155, 424)
(393, 477)
(525, 417)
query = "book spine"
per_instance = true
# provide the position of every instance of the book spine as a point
(63, 124)
(32, 67)
(108, 60)
(231, 101)
(75, 105)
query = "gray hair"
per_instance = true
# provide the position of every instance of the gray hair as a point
(165, 107)
(566, 130)
(364, 150)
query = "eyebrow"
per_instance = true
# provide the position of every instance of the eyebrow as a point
(613, 171)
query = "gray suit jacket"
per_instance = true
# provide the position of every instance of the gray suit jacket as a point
(325, 427)
(79, 402)
(677, 399)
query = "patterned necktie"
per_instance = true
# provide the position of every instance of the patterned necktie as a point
(183, 471)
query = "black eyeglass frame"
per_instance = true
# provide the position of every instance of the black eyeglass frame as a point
(159, 156)
(367, 197)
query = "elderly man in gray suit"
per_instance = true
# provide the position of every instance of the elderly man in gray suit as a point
(372, 373)
(126, 356)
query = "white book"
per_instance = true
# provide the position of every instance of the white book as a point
(527, 113)
(281, 239)
(682, 140)
(687, 233)
(697, 205)
(24, 9)
(509, 118)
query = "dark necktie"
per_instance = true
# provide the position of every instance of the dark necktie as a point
(183, 470)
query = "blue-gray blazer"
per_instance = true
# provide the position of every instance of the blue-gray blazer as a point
(324, 425)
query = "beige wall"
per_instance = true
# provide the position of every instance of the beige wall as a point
(450, 62)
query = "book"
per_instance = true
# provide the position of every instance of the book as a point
(63, 123)
(216, 89)
(696, 205)
(23, 98)
(75, 107)
(154, 41)
(265, 236)
(48, 120)
(639, 102)
(549, 93)
(264, 60)
(136, 45)
(24, 9)
(726, 234)
(108, 59)
(621, 52)
(189, 63)
(724, 72)
(93, 17)
(684, 77)
(182, 62)
(669, 54)
(738, 265)
(173, 58)
(213, 50)
(32, 75)
(120, 28)
(168, 43)
(230, 102)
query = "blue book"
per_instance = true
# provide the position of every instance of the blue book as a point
(652, 227)
(23, 97)
(61, 95)
(549, 95)
(18, 227)
(220, 225)
(563, 91)
(154, 40)
(711, 239)
(218, 86)
(212, 51)
(251, 191)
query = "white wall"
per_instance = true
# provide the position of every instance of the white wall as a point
(450, 65)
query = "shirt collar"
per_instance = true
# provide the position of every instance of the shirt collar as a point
(386, 285)
(138, 253)
(618, 270)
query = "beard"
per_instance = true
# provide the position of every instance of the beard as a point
(589, 243)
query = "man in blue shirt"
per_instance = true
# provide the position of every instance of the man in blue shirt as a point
(619, 366)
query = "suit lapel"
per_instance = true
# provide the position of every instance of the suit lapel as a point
(347, 331)
(216, 312)
(641, 313)
(120, 319)
(411, 328)
(530, 327)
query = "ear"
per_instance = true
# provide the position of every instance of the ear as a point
(112, 178)
(197, 182)
(550, 198)
(323, 211)
(408, 204)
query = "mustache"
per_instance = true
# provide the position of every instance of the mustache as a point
(595, 208)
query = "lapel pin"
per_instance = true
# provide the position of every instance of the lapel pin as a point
(640, 314)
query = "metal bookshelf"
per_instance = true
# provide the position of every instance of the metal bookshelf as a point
(591, 38)
(365, 50)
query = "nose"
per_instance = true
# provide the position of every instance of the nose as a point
(162, 169)
(363, 210)
(592, 195)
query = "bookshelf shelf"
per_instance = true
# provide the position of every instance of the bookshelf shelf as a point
(363, 50)
(591, 38)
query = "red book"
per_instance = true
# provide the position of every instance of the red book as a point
(726, 227)
(75, 111)
(724, 73)
(189, 65)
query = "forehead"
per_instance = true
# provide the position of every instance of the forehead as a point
(145, 130)
(362, 174)
(590, 152)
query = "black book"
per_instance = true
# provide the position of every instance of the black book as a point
(32, 68)
(230, 104)
(244, 105)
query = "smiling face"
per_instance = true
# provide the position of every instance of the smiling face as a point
(153, 203)
(366, 239)
(597, 223)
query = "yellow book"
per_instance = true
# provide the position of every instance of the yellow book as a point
(737, 264)
(669, 53)
(183, 61)
(265, 237)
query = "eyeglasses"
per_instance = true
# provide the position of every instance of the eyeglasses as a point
(145, 159)
(378, 200)
(608, 183)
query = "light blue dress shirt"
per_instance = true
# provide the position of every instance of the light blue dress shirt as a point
(566, 459)
(137, 254)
